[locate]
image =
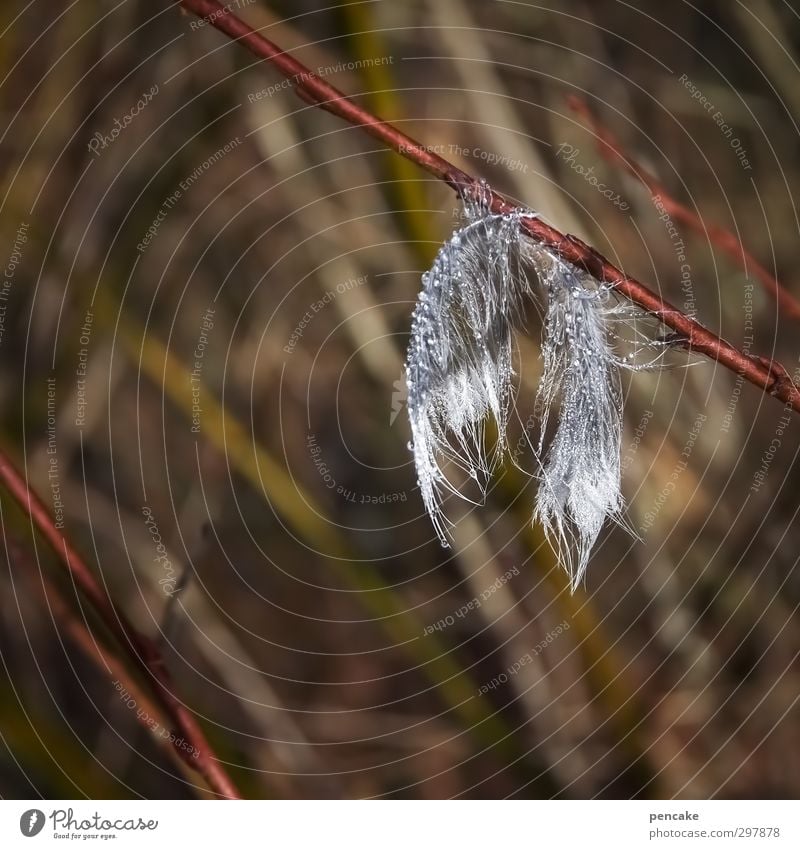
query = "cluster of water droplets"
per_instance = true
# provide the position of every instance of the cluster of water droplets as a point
(459, 365)
(580, 471)
(459, 372)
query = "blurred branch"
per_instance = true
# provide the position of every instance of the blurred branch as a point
(611, 150)
(760, 371)
(148, 714)
(138, 647)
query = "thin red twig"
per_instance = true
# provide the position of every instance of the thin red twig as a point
(769, 376)
(612, 151)
(148, 714)
(138, 647)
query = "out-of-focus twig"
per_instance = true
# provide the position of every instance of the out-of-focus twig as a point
(766, 374)
(147, 713)
(612, 151)
(141, 650)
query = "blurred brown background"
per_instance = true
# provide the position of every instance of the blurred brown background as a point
(219, 279)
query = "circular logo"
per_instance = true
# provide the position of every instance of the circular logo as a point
(31, 822)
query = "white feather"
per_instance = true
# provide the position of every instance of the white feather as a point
(459, 372)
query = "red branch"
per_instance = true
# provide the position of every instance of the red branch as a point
(769, 376)
(138, 647)
(148, 714)
(611, 150)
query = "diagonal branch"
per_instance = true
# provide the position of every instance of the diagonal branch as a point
(139, 648)
(611, 150)
(149, 715)
(766, 374)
